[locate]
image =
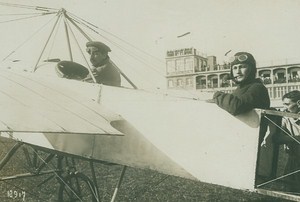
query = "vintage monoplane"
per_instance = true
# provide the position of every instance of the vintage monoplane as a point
(67, 118)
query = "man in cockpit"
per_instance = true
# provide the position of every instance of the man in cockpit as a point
(250, 92)
(103, 69)
(290, 139)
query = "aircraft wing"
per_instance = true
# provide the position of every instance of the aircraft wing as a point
(176, 136)
(28, 103)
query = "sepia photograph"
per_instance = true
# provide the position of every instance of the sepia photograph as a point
(149, 100)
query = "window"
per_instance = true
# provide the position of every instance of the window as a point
(214, 83)
(188, 81)
(200, 63)
(179, 65)
(189, 63)
(280, 75)
(170, 66)
(170, 83)
(179, 82)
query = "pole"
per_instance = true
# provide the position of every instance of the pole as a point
(89, 68)
(67, 35)
(124, 75)
(119, 184)
(95, 181)
(89, 39)
(35, 67)
(81, 31)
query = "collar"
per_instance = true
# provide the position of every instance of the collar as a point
(297, 121)
(105, 61)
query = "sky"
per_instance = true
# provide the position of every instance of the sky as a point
(269, 29)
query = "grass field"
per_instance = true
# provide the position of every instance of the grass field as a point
(138, 185)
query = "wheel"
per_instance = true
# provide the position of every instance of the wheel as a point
(77, 187)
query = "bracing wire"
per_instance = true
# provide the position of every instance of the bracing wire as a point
(115, 37)
(11, 14)
(53, 41)
(123, 49)
(28, 39)
(27, 6)
(17, 5)
(127, 51)
(74, 37)
(130, 53)
(25, 18)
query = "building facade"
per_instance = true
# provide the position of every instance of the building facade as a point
(187, 69)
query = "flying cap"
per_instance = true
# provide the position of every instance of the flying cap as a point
(244, 58)
(99, 45)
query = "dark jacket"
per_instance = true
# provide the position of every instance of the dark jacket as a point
(247, 96)
(106, 74)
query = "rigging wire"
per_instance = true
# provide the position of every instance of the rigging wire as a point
(158, 59)
(24, 18)
(137, 58)
(55, 24)
(10, 14)
(53, 41)
(133, 55)
(139, 73)
(80, 49)
(30, 37)
(27, 6)
(17, 5)
(125, 50)
(128, 52)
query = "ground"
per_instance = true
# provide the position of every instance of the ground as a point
(138, 185)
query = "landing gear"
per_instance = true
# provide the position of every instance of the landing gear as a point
(77, 187)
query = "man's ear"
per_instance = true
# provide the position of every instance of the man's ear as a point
(298, 103)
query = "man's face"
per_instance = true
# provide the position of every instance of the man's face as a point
(240, 71)
(96, 57)
(290, 106)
